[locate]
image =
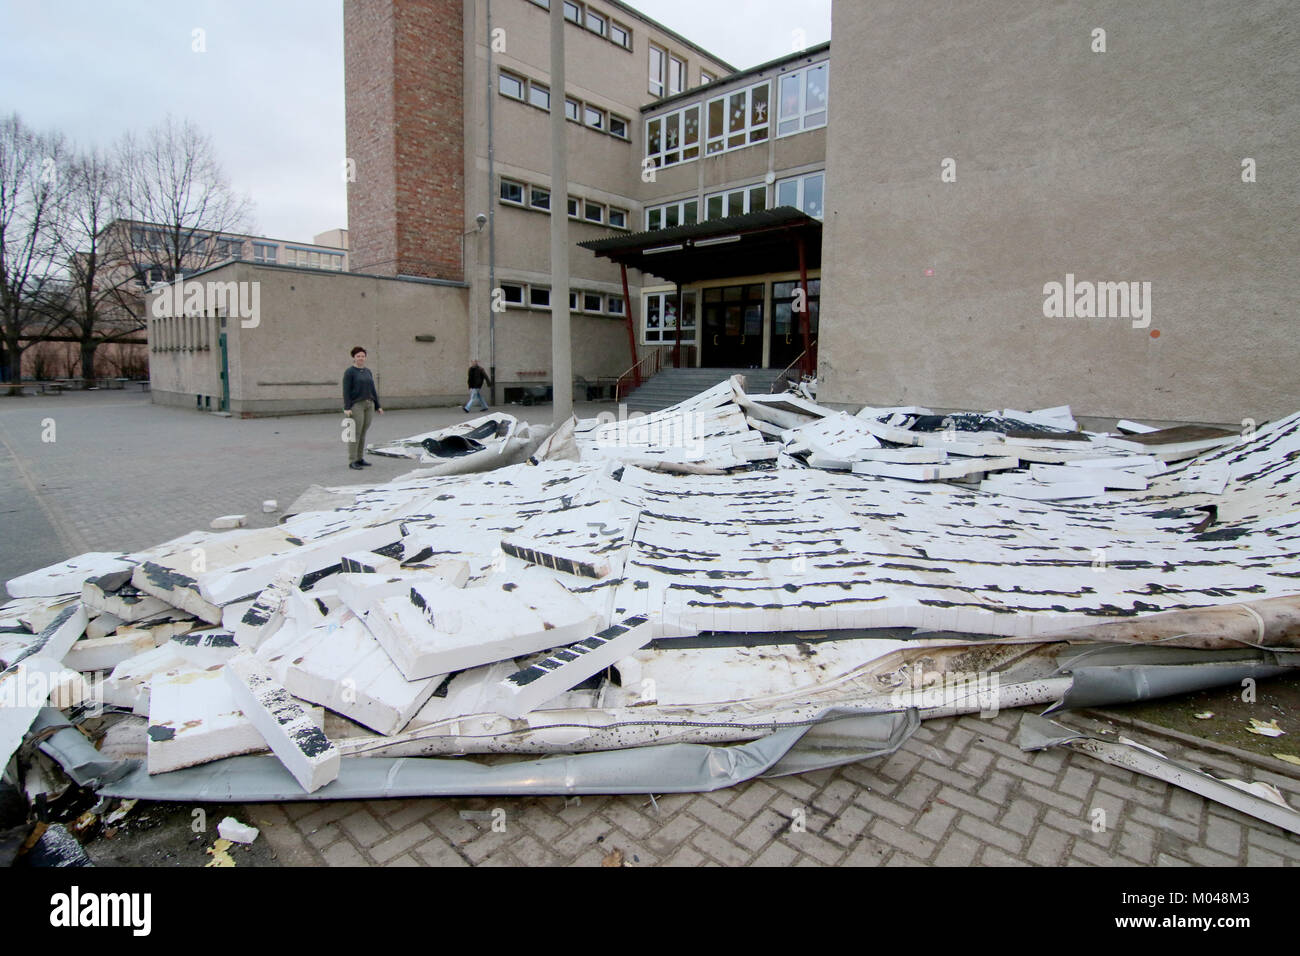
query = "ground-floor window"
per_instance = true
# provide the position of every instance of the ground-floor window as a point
(659, 322)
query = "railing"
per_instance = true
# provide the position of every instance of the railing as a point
(637, 374)
(782, 381)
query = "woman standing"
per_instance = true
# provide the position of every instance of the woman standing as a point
(360, 402)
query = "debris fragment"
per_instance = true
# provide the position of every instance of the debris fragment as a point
(220, 853)
(236, 832)
(229, 521)
(1204, 715)
(1264, 728)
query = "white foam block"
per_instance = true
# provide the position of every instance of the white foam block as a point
(368, 562)
(24, 690)
(57, 637)
(67, 577)
(194, 718)
(553, 675)
(431, 631)
(229, 521)
(286, 725)
(105, 653)
(940, 472)
(265, 615)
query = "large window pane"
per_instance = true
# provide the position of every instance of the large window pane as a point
(812, 195)
(511, 86)
(787, 193)
(539, 96)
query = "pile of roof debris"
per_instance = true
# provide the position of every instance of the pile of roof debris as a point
(739, 585)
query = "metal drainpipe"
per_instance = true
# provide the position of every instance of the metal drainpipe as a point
(492, 222)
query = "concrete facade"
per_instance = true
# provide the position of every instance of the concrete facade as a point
(1116, 166)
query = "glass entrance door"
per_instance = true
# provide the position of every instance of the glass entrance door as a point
(787, 325)
(733, 327)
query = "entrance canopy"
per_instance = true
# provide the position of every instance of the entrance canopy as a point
(756, 243)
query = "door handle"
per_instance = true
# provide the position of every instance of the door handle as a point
(787, 340)
(742, 340)
(715, 340)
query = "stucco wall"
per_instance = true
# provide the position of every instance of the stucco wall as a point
(1117, 166)
(293, 359)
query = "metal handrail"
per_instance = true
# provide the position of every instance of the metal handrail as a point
(618, 384)
(783, 379)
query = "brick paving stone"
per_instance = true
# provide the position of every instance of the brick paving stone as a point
(964, 801)
(685, 856)
(399, 843)
(752, 797)
(673, 834)
(763, 828)
(343, 853)
(900, 764)
(1163, 822)
(1136, 842)
(1223, 835)
(986, 832)
(1186, 805)
(902, 859)
(532, 852)
(884, 807)
(627, 817)
(813, 845)
(1076, 782)
(1273, 839)
(1127, 791)
(917, 846)
(996, 787)
(363, 828)
(917, 792)
(1257, 857)
(324, 836)
(866, 852)
(936, 819)
(778, 855)
(716, 845)
(1065, 804)
(996, 857)
(404, 860)
(848, 826)
(834, 796)
(1048, 847)
(580, 836)
(1035, 775)
(716, 817)
(958, 850)
(1020, 816)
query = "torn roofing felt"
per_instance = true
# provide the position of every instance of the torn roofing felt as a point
(593, 603)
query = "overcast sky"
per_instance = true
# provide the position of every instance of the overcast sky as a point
(269, 86)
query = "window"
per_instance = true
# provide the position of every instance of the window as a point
(511, 85)
(618, 126)
(803, 100)
(594, 212)
(736, 202)
(618, 218)
(313, 260)
(539, 198)
(658, 67)
(595, 22)
(676, 75)
(620, 36)
(684, 213)
(512, 192)
(572, 12)
(539, 298)
(539, 96)
(592, 302)
(659, 318)
(738, 119)
(265, 252)
(595, 118)
(674, 137)
(706, 77)
(615, 305)
(573, 207)
(572, 110)
(805, 193)
(512, 293)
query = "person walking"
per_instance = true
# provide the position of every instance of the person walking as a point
(360, 402)
(477, 377)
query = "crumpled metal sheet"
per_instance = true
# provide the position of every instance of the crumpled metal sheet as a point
(1037, 733)
(1099, 686)
(672, 768)
(83, 764)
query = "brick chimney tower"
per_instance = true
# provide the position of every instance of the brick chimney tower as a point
(404, 75)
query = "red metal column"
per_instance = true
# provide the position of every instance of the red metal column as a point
(631, 329)
(807, 365)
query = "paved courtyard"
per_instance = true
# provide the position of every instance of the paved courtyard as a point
(121, 474)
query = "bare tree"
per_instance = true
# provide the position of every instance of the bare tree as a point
(104, 298)
(178, 199)
(32, 199)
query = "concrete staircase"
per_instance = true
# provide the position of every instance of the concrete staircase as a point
(672, 385)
